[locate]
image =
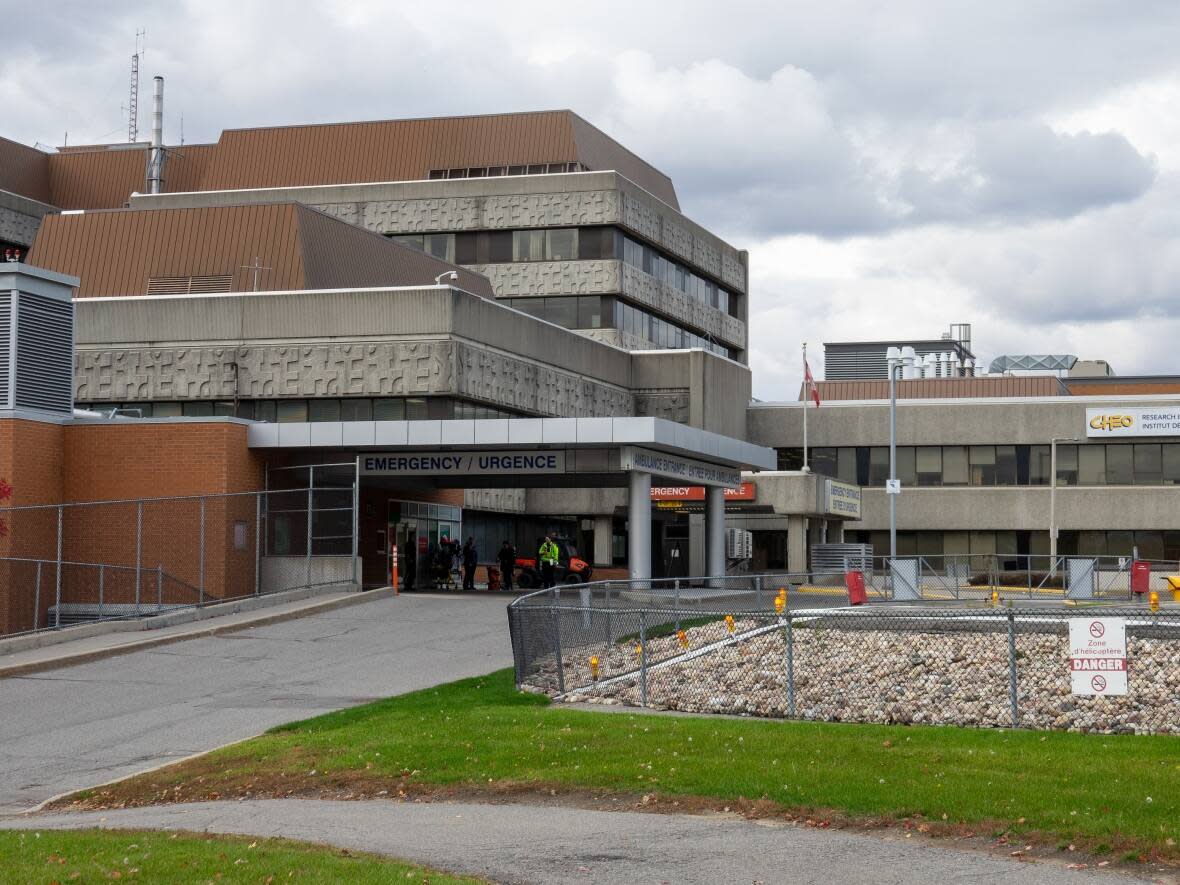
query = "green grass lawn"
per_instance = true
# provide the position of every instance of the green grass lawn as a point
(106, 855)
(1104, 792)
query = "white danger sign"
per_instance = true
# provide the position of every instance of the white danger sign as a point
(1098, 656)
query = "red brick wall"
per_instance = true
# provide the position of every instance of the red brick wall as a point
(49, 463)
(31, 458)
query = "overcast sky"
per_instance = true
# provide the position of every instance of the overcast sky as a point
(891, 167)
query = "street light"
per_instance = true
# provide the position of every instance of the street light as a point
(1053, 498)
(893, 488)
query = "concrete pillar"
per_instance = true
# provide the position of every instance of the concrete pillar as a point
(696, 544)
(835, 531)
(639, 527)
(796, 544)
(714, 531)
(603, 529)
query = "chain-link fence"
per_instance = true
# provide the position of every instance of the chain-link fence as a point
(998, 667)
(68, 563)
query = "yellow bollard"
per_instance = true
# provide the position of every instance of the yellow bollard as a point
(639, 652)
(729, 624)
(683, 637)
(1154, 600)
(995, 598)
(779, 605)
(594, 668)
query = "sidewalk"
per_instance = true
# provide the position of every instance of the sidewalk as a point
(95, 641)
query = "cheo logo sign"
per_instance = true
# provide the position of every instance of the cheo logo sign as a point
(1111, 422)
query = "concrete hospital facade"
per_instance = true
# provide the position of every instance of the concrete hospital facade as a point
(294, 285)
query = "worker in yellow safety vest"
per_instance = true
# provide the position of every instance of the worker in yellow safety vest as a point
(548, 554)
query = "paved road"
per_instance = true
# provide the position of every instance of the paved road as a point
(91, 723)
(521, 843)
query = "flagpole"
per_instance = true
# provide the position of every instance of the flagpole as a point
(806, 396)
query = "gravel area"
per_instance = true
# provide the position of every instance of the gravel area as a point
(877, 676)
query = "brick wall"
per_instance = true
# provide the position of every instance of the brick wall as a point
(49, 463)
(31, 458)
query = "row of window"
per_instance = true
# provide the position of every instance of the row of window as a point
(604, 311)
(285, 411)
(494, 171)
(1152, 544)
(569, 244)
(1115, 464)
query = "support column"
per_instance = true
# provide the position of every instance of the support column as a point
(715, 531)
(796, 544)
(603, 529)
(639, 527)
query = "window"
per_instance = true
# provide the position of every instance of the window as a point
(166, 410)
(264, 410)
(291, 411)
(561, 244)
(1148, 464)
(197, 409)
(1171, 464)
(528, 245)
(1067, 465)
(441, 246)
(790, 459)
(878, 465)
(905, 466)
(823, 461)
(562, 311)
(928, 465)
(356, 410)
(1118, 466)
(955, 471)
(1038, 465)
(983, 465)
(499, 247)
(416, 410)
(324, 410)
(1092, 469)
(1006, 472)
(590, 312)
(846, 464)
(389, 410)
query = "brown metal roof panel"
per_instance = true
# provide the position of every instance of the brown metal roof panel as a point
(24, 171)
(599, 151)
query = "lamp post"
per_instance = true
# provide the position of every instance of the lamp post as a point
(892, 487)
(1053, 498)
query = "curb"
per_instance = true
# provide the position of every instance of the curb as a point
(68, 660)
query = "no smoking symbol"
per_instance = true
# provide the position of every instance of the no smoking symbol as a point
(1098, 683)
(1097, 630)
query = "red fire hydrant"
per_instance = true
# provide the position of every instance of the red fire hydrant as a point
(855, 582)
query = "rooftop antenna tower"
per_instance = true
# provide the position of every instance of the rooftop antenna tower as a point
(133, 102)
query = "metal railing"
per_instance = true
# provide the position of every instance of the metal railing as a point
(993, 667)
(65, 563)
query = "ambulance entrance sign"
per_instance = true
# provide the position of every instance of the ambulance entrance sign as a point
(1098, 656)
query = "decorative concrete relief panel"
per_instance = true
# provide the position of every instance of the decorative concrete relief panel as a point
(641, 218)
(18, 228)
(732, 272)
(302, 370)
(677, 239)
(552, 277)
(353, 213)
(548, 210)
(669, 404)
(413, 216)
(499, 500)
(647, 290)
(706, 256)
(504, 380)
(733, 330)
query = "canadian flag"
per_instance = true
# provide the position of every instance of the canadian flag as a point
(810, 387)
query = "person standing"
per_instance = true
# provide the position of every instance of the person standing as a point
(507, 559)
(470, 561)
(548, 554)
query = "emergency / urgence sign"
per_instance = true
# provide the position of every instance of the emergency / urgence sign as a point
(1098, 656)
